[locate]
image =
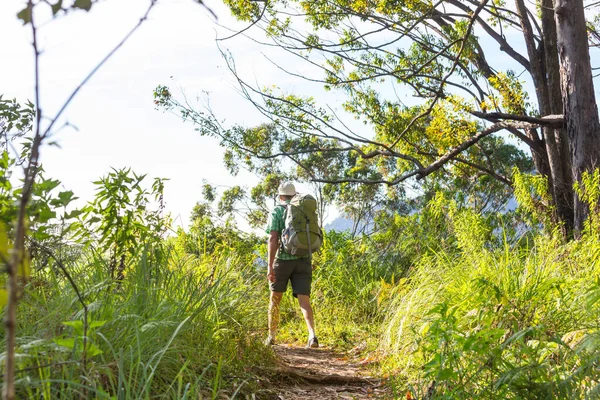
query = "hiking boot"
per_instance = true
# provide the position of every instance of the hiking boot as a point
(313, 343)
(269, 341)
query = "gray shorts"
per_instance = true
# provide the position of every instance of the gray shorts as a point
(298, 271)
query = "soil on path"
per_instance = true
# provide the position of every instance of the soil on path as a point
(320, 374)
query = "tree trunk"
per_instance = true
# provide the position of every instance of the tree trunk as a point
(577, 87)
(545, 74)
(559, 157)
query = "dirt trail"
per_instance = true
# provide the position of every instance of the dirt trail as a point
(320, 374)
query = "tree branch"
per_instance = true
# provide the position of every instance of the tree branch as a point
(441, 161)
(442, 83)
(504, 45)
(488, 171)
(394, 182)
(554, 121)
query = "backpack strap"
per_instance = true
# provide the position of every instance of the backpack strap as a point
(285, 209)
(284, 206)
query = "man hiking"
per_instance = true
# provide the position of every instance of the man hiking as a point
(284, 267)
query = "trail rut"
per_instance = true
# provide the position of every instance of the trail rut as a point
(304, 373)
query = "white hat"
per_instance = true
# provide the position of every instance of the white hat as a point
(286, 189)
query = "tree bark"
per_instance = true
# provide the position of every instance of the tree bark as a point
(556, 141)
(545, 74)
(579, 102)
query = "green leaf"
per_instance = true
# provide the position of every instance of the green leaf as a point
(68, 343)
(25, 15)
(445, 374)
(45, 215)
(97, 324)
(469, 343)
(56, 7)
(3, 297)
(47, 185)
(83, 4)
(93, 350)
(41, 235)
(66, 197)
(73, 214)
(76, 325)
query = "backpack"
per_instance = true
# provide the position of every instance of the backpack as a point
(301, 235)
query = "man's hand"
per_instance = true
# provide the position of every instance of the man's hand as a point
(271, 274)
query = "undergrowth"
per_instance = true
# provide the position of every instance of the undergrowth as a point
(179, 330)
(519, 320)
(453, 305)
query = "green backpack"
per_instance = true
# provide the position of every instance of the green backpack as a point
(301, 235)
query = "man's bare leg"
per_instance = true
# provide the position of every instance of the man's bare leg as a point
(307, 311)
(274, 313)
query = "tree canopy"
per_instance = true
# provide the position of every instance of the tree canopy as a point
(470, 116)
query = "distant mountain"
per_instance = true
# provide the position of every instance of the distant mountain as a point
(343, 224)
(339, 224)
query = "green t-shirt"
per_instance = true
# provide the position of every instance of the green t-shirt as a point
(277, 223)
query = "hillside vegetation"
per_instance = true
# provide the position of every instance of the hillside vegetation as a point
(472, 268)
(446, 302)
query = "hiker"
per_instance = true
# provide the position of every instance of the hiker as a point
(284, 267)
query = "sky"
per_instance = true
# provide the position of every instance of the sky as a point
(116, 120)
(114, 115)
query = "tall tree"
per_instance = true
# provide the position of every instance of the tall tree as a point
(581, 111)
(441, 50)
(467, 98)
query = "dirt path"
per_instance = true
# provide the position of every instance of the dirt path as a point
(320, 374)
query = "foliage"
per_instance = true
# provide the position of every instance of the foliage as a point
(446, 93)
(15, 123)
(178, 330)
(508, 321)
(15, 120)
(121, 217)
(208, 237)
(460, 303)
(173, 306)
(370, 51)
(46, 213)
(531, 192)
(588, 191)
(339, 168)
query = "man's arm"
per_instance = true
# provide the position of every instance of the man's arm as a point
(273, 245)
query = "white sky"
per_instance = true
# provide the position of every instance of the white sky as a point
(114, 113)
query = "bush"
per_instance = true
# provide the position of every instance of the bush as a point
(516, 321)
(173, 330)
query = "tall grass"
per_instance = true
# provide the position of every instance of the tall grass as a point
(347, 279)
(178, 330)
(513, 322)
(480, 314)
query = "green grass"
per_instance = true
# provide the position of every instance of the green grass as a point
(173, 330)
(477, 316)
(520, 321)
(347, 281)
